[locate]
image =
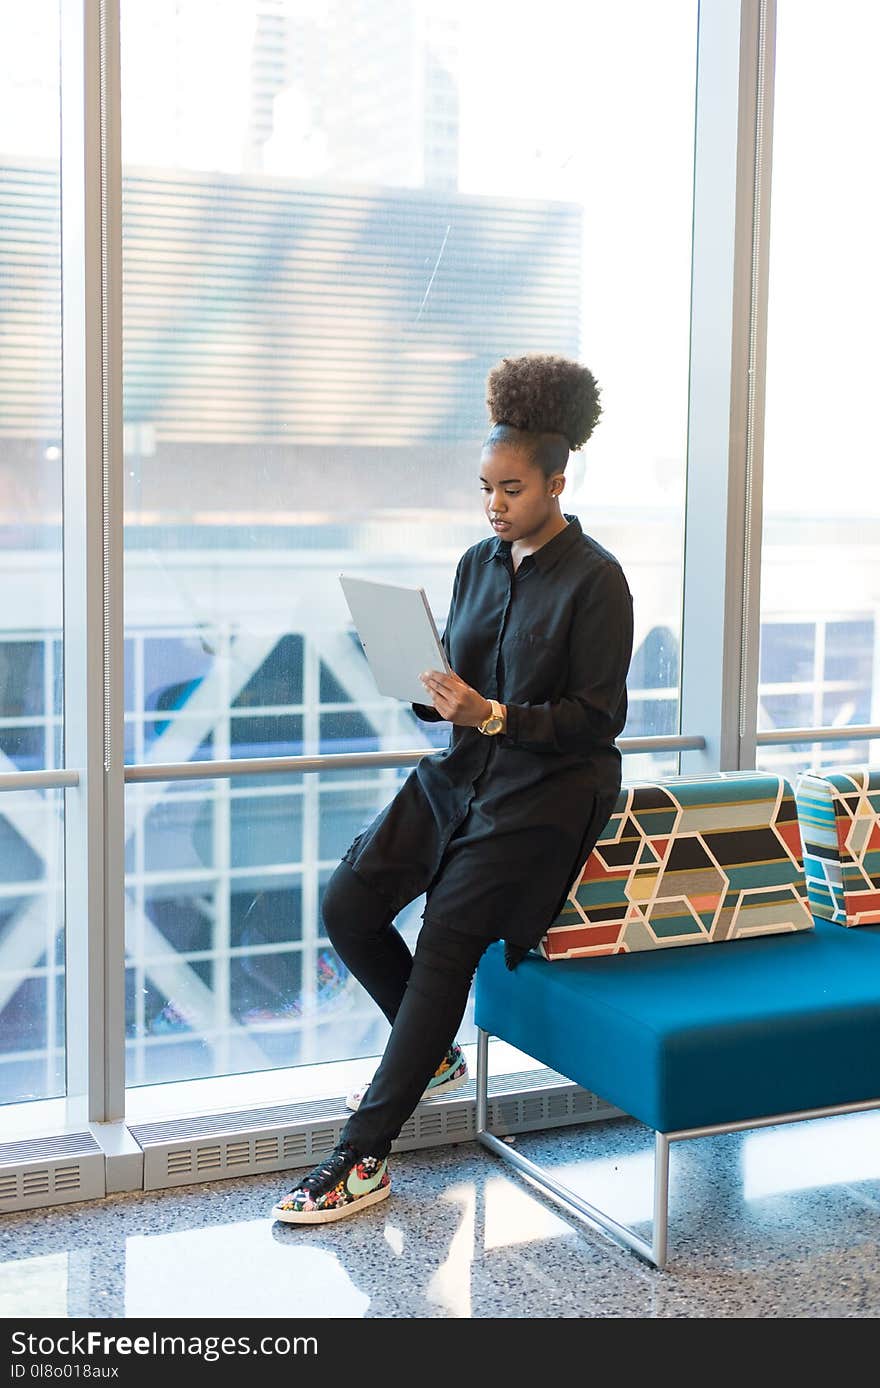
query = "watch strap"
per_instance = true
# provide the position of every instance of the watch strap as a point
(496, 716)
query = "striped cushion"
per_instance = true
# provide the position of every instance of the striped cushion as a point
(688, 862)
(839, 811)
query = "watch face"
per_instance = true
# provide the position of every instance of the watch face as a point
(494, 723)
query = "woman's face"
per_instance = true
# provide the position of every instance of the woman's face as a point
(519, 499)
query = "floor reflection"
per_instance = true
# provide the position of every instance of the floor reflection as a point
(778, 1222)
(800, 1156)
(511, 1215)
(450, 1286)
(236, 1269)
(46, 1284)
(35, 1286)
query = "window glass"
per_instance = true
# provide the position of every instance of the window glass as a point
(32, 973)
(336, 220)
(820, 584)
(32, 1045)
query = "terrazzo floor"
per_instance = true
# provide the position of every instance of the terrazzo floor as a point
(780, 1222)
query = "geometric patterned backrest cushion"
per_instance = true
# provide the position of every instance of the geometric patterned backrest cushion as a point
(839, 811)
(687, 861)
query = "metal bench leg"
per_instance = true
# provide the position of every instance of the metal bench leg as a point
(660, 1224)
(653, 1253)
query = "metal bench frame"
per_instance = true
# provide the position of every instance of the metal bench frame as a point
(655, 1252)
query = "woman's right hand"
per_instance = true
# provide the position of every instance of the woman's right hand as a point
(454, 700)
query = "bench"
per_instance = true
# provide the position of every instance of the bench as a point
(689, 984)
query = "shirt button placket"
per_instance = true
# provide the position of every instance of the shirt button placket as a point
(499, 665)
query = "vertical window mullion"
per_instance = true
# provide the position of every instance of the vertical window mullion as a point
(721, 598)
(92, 392)
(113, 612)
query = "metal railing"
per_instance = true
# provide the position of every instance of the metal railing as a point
(38, 780)
(854, 733)
(347, 761)
(330, 761)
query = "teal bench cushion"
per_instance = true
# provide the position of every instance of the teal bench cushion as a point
(693, 1038)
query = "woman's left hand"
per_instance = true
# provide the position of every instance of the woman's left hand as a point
(454, 700)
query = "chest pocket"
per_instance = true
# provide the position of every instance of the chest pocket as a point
(536, 666)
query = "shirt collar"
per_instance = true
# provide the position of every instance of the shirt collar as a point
(549, 553)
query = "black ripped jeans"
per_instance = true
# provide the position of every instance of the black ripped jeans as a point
(423, 995)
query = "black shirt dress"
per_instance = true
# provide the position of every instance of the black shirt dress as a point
(494, 829)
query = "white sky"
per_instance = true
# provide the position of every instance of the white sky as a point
(591, 102)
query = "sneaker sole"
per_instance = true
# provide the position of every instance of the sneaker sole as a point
(444, 1088)
(325, 1216)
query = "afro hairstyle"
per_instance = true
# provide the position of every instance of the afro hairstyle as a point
(544, 394)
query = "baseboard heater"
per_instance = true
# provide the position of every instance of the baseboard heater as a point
(53, 1170)
(246, 1141)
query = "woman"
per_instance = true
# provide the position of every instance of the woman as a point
(494, 827)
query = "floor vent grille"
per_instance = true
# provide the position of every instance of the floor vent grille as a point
(245, 1142)
(50, 1171)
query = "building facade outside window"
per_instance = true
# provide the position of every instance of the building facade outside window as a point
(32, 933)
(820, 583)
(328, 239)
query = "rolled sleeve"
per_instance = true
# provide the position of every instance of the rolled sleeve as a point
(427, 713)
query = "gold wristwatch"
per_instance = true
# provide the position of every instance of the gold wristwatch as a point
(495, 722)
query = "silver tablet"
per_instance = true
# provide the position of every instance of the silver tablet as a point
(398, 634)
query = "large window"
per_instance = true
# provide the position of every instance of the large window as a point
(334, 220)
(328, 239)
(820, 631)
(32, 972)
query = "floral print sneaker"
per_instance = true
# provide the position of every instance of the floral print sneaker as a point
(340, 1186)
(450, 1073)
